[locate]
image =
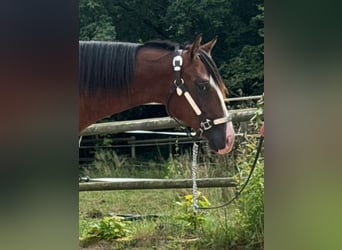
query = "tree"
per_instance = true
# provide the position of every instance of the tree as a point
(95, 22)
(245, 72)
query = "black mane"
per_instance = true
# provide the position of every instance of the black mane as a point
(106, 65)
(111, 65)
(212, 69)
(160, 44)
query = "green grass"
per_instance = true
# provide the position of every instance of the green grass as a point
(166, 230)
(239, 226)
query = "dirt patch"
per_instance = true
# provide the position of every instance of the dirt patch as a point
(99, 245)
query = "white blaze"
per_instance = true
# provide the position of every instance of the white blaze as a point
(230, 134)
(219, 93)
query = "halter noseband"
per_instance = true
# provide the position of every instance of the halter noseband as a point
(181, 89)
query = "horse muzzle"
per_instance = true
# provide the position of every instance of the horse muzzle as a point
(221, 138)
(230, 138)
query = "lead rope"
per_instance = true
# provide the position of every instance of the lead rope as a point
(194, 177)
(194, 183)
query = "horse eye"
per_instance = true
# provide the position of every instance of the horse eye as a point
(203, 86)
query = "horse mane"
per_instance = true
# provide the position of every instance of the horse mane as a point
(160, 44)
(213, 71)
(106, 65)
(111, 65)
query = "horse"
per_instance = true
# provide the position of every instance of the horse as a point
(116, 76)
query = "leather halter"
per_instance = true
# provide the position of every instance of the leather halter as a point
(180, 88)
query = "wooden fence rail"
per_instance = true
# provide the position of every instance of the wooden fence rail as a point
(103, 184)
(153, 123)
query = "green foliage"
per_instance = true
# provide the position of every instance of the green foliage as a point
(174, 167)
(249, 212)
(171, 168)
(220, 18)
(95, 22)
(245, 71)
(109, 163)
(193, 218)
(259, 115)
(108, 228)
(260, 19)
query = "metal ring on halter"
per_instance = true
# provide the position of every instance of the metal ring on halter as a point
(175, 82)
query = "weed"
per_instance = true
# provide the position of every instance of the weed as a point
(248, 214)
(193, 218)
(108, 228)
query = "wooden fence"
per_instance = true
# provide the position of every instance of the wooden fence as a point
(153, 123)
(102, 184)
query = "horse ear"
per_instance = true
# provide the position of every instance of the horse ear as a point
(195, 46)
(209, 46)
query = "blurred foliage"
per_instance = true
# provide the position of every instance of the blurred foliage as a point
(259, 115)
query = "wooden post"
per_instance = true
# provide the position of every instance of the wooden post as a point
(133, 148)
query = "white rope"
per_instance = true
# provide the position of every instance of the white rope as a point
(194, 177)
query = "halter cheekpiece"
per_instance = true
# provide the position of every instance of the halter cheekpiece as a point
(181, 89)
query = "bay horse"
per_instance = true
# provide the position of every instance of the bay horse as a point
(116, 76)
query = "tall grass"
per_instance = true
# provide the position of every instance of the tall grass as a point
(108, 163)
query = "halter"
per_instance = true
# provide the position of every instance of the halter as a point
(180, 88)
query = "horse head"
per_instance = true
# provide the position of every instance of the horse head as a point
(197, 95)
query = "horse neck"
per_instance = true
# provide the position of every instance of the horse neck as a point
(151, 83)
(153, 78)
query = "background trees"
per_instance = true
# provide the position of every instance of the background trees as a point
(237, 23)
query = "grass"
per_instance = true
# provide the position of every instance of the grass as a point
(239, 226)
(165, 231)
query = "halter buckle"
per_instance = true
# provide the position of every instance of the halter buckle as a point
(177, 62)
(207, 124)
(179, 86)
